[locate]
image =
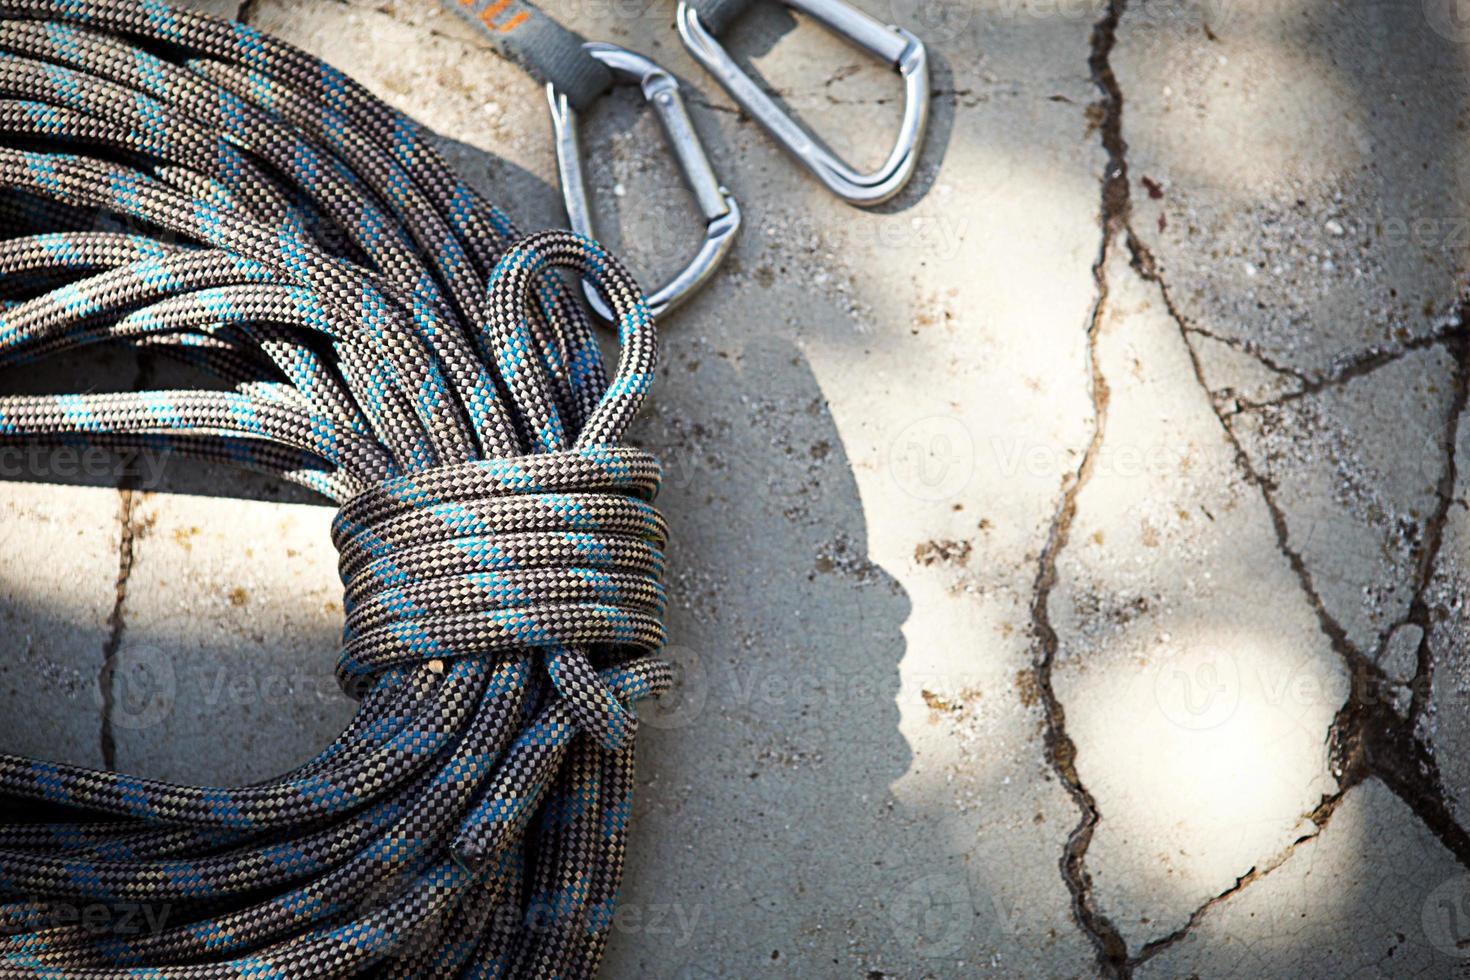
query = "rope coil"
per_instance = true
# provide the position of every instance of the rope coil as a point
(374, 330)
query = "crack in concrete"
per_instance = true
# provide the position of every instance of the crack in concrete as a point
(1142, 262)
(1319, 816)
(1250, 350)
(1060, 749)
(116, 623)
(1419, 612)
(1349, 368)
(1113, 957)
(1367, 738)
(1360, 365)
(128, 531)
(1107, 941)
(1375, 736)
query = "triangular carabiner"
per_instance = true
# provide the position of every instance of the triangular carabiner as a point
(893, 45)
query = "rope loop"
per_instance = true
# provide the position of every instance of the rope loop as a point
(517, 290)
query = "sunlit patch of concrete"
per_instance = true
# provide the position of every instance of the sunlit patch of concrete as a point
(1197, 686)
(1375, 894)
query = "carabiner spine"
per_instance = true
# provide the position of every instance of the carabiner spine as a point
(856, 27)
(569, 161)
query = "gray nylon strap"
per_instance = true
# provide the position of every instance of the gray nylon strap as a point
(718, 15)
(547, 51)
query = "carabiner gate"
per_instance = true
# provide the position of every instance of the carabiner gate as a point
(892, 45)
(721, 213)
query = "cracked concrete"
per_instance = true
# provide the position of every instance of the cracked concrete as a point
(1374, 894)
(1305, 167)
(1354, 468)
(55, 616)
(1442, 665)
(1362, 536)
(230, 607)
(1068, 560)
(1179, 625)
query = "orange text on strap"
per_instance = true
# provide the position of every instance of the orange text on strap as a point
(490, 13)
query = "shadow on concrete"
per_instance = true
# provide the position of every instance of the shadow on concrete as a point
(768, 776)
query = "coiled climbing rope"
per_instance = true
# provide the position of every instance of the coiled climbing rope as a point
(384, 336)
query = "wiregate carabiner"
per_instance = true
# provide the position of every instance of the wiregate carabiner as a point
(721, 213)
(893, 45)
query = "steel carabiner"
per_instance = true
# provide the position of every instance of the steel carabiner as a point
(893, 45)
(721, 213)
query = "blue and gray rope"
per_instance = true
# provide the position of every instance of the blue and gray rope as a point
(382, 335)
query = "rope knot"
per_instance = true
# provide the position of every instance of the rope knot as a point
(556, 552)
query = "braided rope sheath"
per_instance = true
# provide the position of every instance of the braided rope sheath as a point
(381, 335)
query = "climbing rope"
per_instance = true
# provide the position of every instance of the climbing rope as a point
(382, 335)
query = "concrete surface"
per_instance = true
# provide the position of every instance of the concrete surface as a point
(1068, 561)
(1196, 683)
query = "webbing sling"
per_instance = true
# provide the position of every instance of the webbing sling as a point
(547, 51)
(384, 336)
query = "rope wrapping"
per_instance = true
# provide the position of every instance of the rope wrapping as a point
(376, 332)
